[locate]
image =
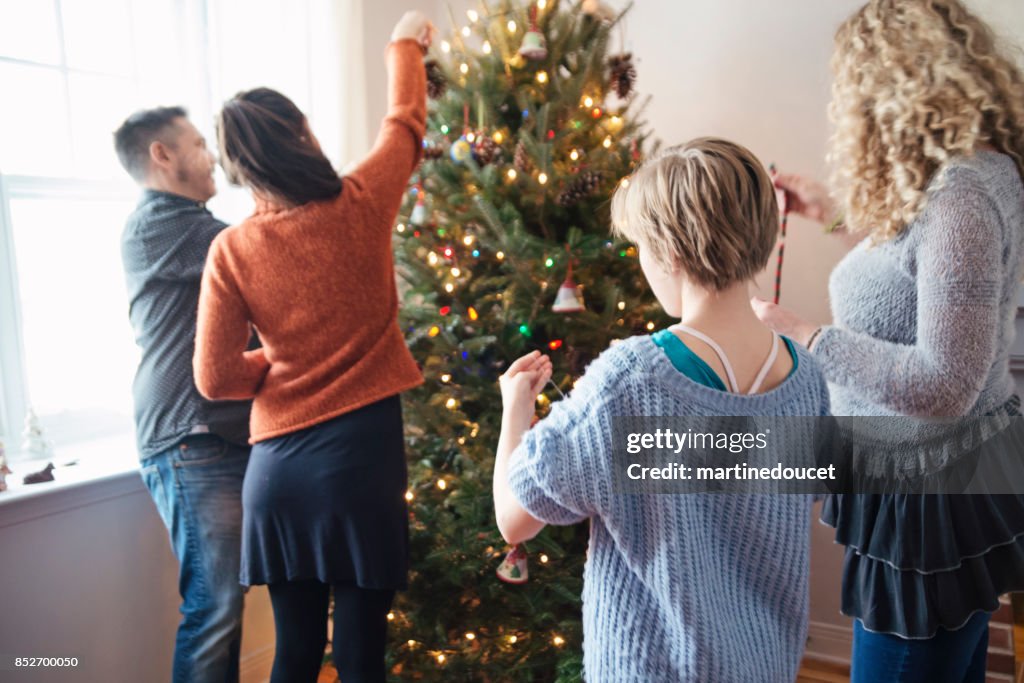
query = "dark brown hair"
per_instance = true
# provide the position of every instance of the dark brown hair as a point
(265, 145)
(133, 138)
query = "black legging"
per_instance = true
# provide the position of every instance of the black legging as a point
(300, 620)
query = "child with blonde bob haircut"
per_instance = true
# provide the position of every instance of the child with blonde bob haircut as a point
(683, 587)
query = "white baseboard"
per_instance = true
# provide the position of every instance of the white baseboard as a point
(829, 642)
(255, 666)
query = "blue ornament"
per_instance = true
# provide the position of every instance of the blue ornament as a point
(461, 151)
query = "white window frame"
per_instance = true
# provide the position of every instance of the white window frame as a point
(15, 395)
(14, 389)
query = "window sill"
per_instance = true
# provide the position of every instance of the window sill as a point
(106, 468)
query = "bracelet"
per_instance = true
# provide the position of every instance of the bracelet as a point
(814, 335)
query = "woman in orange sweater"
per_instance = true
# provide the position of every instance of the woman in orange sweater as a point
(311, 271)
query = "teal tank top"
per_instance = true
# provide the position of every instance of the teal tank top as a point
(693, 366)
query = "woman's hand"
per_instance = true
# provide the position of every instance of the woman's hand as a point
(519, 388)
(414, 25)
(783, 321)
(807, 197)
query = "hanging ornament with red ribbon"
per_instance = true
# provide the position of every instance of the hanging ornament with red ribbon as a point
(461, 150)
(568, 299)
(513, 568)
(534, 45)
(418, 217)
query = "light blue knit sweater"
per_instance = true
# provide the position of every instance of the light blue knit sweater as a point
(686, 587)
(924, 322)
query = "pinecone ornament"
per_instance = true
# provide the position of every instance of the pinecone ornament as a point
(485, 150)
(437, 84)
(623, 74)
(432, 152)
(583, 185)
(522, 160)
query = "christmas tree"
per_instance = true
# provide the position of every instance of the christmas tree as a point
(503, 247)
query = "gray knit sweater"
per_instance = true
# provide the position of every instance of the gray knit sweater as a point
(685, 587)
(923, 323)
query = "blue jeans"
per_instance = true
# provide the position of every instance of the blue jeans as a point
(948, 657)
(197, 488)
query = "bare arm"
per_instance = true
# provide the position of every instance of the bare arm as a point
(514, 522)
(519, 388)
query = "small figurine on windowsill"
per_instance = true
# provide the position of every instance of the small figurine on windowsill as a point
(4, 469)
(33, 443)
(43, 475)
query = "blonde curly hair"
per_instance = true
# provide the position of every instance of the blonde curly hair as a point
(916, 83)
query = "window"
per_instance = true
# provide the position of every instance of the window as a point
(78, 352)
(70, 72)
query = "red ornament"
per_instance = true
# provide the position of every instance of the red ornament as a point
(445, 310)
(551, 135)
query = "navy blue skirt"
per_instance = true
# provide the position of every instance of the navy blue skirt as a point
(328, 503)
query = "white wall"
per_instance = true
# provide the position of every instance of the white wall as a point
(89, 573)
(379, 18)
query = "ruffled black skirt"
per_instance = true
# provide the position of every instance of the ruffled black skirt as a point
(917, 563)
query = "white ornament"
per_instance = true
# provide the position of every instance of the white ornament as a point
(568, 299)
(418, 217)
(33, 441)
(513, 569)
(534, 46)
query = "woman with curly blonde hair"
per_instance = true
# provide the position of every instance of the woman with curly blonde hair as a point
(928, 154)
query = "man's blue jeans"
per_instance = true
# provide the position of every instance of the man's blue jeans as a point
(197, 488)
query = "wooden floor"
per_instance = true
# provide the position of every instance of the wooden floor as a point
(811, 672)
(814, 671)
(1017, 605)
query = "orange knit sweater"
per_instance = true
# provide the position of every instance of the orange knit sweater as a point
(317, 282)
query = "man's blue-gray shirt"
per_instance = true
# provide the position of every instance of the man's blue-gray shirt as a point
(163, 249)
